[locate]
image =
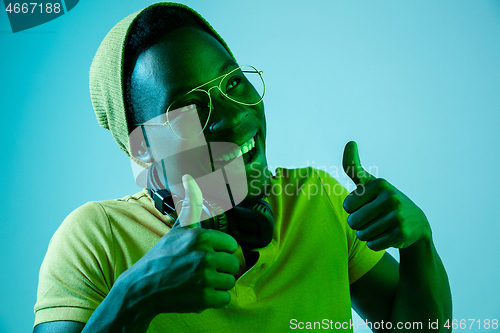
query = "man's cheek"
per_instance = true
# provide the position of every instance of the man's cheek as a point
(255, 189)
(256, 172)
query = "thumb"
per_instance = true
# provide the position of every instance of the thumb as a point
(352, 165)
(192, 204)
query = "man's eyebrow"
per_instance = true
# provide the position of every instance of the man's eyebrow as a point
(227, 64)
(223, 68)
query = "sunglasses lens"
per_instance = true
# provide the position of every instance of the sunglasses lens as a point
(188, 121)
(244, 85)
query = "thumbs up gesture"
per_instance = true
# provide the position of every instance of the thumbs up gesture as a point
(382, 215)
(192, 204)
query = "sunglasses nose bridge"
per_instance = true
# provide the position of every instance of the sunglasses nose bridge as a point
(221, 94)
(214, 87)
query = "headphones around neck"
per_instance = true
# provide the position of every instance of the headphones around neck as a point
(251, 224)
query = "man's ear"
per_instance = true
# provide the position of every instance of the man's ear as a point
(139, 146)
(144, 153)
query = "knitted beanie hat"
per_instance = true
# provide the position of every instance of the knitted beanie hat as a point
(106, 77)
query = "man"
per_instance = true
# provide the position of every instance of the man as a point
(125, 266)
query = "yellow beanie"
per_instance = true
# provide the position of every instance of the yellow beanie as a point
(106, 78)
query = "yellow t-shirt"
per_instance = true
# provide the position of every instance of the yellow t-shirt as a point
(302, 276)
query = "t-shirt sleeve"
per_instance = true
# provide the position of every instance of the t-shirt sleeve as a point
(361, 258)
(77, 272)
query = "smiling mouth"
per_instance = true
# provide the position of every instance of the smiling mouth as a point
(244, 149)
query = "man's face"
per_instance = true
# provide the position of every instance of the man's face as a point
(179, 62)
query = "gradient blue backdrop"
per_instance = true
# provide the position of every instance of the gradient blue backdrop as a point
(415, 83)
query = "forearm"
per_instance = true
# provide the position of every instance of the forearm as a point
(423, 292)
(118, 312)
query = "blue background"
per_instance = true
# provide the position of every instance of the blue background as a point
(415, 83)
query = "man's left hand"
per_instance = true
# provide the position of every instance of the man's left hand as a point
(382, 215)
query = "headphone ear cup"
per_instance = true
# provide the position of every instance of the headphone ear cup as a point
(216, 217)
(217, 222)
(251, 225)
(265, 209)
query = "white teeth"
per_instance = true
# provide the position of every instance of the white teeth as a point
(243, 149)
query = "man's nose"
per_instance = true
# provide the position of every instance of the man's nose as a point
(226, 114)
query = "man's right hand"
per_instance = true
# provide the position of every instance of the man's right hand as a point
(189, 269)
